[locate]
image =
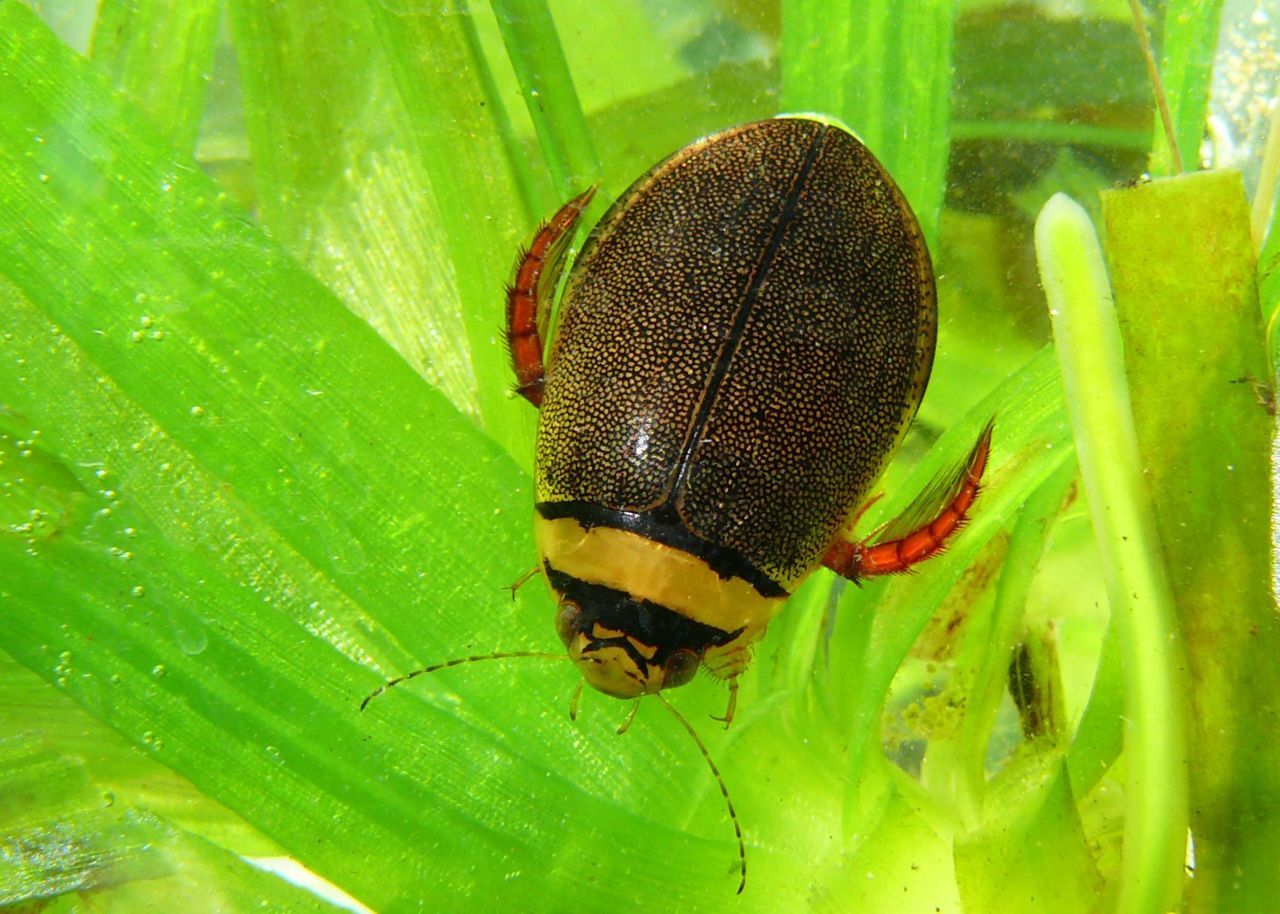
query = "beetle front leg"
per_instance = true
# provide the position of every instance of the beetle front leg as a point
(908, 541)
(733, 704)
(522, 580)
(530, 296)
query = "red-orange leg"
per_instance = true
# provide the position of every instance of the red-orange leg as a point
(529, 296)
(860, 560)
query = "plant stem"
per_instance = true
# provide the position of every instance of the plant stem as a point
(1157, 85)
(533, 47)
(1092, 361)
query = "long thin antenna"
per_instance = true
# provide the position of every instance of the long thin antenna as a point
(1157, 85)
(724, 790)
(500, 655)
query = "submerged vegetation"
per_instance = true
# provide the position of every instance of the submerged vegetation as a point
(257, 453)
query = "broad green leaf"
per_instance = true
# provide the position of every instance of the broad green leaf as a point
(65, 842)
(1030, 854)
(1194, 337)
(348, 190)
(160, 55)
(121, 772)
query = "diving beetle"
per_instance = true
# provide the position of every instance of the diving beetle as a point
(743, 341)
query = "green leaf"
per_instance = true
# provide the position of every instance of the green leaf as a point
(350, 191)
(63, 840)
(1194, 337)
(533, 48)
(884, 69)
(1191, 30)
(160, 55)
(1032, 831)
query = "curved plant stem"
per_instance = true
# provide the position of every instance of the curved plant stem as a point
(1092, 362)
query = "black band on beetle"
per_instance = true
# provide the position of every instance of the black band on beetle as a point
(653, 525)
(649, 623)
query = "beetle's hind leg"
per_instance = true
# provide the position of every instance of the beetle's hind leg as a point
(923, 529)
(530, 295)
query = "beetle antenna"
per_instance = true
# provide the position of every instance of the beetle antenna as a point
(724, 790)
(499, 655)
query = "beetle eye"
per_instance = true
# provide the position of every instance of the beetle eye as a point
(679, 669)
(567, 621)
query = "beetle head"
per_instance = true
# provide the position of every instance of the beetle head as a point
(616, 661)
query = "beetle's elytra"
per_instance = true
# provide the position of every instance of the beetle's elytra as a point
(744, 339)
